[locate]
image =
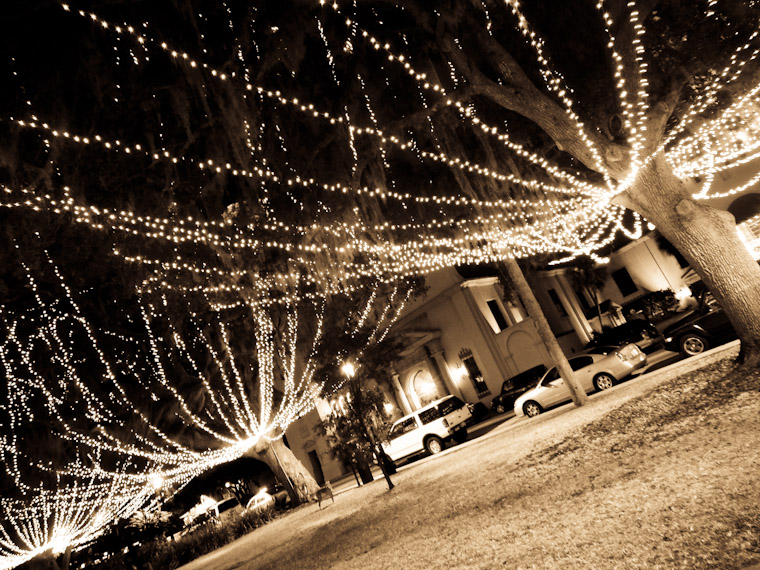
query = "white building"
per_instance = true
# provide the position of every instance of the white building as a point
(464, 338)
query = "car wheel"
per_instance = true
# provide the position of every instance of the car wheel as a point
(603, 381)
(460, 436)
(532, 409)
(434, 445)
(692, 344)
(500, 409)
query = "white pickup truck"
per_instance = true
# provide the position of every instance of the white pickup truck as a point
(428, 429)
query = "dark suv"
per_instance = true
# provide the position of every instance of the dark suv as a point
(515, 386)
(639, 332)
(700, 329)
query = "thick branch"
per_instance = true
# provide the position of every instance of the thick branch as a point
(518, 94)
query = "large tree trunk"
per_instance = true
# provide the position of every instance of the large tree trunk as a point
(708, 239)
(43, 561)
(544, 331)
(286, 467)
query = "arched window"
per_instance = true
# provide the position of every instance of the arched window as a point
(425, 387)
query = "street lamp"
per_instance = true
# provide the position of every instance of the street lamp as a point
(156, 480)
(348, 369)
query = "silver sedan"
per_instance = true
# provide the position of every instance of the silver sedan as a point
(593, 372)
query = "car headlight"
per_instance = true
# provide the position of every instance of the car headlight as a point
(669, 339)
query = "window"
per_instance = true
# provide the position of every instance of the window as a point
(580, 361)
(524, 379)
(449, 406)
(501, 321)
(624, 282)
(557, 303)
(476, 376)
(429, 415)
(552, 375)
(227, 505)
(403, 427)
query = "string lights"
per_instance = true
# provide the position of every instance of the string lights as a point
(493, 212)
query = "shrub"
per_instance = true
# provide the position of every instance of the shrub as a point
(167, 554)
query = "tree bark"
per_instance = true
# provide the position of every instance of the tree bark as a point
(43, 561)
(288, 470)
(545, 332)
(708, 239)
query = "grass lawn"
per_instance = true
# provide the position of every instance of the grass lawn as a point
(652, 474)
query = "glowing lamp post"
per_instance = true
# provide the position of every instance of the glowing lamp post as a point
(348, 369)
(156, 481)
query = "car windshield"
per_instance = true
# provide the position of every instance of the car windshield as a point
(603, 350)
(449, 405)
(403, 427)
(552, 375)
(227, 505)
(429, 415)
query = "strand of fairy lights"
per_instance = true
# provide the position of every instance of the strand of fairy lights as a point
(633, 113)
(69, 516)
(190, 468)
(86, 215)
(310, 108)
(337, 187)
(556, 83)
(690, 152)
(462, 244)
(730, 132)
(228, 165)
(727, 76)
(638, 111)
(465, 257)
(420, 76)
(575, 183)
(106, 441)
(63, 531)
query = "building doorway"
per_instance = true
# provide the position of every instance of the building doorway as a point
(424, 388)
(316, 467)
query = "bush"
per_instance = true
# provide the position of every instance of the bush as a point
(167, 554)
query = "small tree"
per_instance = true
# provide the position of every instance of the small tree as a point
(356, 428)
(340, 432)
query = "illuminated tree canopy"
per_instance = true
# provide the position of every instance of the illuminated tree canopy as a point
(247, 161)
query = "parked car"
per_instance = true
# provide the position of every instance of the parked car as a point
(592, 371)
(224, 509)
(428, 429)
(281, 496)
(640, 332)
(705, 327)
(478, 412)
(260, 502)
(515, 386)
